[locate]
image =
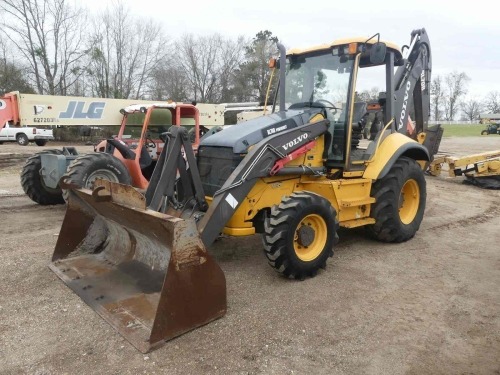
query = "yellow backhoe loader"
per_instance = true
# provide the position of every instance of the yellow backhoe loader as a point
(294, 176)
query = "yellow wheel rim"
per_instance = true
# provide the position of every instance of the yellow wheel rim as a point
(310, 237)
(409, 200)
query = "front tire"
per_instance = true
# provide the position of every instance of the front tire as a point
(484, 132)
(87, 168)
(400, 202)
(32, 181)
(300, 235)
(22, 139)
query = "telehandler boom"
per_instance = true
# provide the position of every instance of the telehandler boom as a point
(294, 176)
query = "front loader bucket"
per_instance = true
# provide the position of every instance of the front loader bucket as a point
(146, 273)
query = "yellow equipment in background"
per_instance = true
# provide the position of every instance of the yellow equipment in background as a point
(482, 170)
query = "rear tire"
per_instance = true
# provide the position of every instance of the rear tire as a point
(300, 235)
(32, 181)
(40, 142)
(400, 202)
(85, 169)
(484, 132)
(22, 139)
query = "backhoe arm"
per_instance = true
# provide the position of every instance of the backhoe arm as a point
(412, 84)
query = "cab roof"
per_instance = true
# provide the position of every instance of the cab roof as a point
(339, 42)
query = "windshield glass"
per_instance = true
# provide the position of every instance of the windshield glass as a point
(321, 80)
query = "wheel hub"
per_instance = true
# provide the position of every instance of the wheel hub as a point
(100, 173)
(310, 237)
(409, 200)
(305, 235)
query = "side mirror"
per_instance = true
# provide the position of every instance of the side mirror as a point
(377, 53)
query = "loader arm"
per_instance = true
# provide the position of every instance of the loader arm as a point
(257, 163)
(161, 188)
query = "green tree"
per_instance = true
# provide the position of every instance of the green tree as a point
(252, 78)
(13, 76)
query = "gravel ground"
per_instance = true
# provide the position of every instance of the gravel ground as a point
(431, 305)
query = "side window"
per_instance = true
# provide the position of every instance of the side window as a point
(370, 95)
(370, 82)
(294, 90)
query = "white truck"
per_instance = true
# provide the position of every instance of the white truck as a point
(24, 135)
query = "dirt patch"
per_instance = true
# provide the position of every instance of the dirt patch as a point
(430, 305)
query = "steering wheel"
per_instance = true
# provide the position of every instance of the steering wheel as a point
(329, 104)
(149, 141)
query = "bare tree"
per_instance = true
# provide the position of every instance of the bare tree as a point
(471, 109)
(368, 95)
(437, 98)
(50, 35)
(455, 88)
(169, 81)
(124, 53)
(198, 60)
(208, 62)
(231, 56)
(492, 102)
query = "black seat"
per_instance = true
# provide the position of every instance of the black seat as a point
(145, 159)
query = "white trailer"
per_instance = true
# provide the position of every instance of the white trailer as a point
(21, 110)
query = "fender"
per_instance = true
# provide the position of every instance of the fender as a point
(392, 147)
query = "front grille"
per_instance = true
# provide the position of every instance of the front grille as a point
(216, 165)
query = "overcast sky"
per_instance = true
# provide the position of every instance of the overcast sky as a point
(464, 36)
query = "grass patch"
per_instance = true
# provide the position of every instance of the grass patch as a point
(463, 130)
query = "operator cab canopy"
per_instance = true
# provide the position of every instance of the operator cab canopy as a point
(350, 46)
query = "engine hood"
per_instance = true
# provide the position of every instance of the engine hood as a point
(250, 132)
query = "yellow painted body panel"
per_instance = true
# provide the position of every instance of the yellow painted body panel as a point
(383, 154)
(239, 231)
(350, 198)
(313, 158)
(266, 193)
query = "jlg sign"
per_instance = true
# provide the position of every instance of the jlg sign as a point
(76, 110)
